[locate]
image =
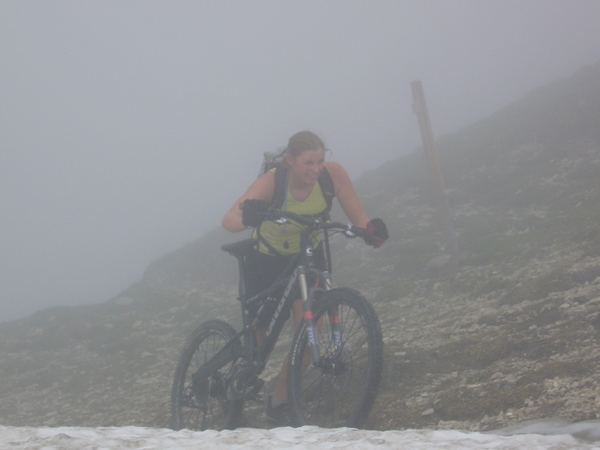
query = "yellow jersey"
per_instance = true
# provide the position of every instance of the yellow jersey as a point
(285, 239)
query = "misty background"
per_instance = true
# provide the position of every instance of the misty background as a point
(127, 129)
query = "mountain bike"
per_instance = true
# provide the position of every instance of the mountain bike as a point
(336, 357)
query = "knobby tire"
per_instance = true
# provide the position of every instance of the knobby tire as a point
(204, 404)
(340, 392)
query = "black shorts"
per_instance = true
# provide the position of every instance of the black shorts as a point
(261, 270)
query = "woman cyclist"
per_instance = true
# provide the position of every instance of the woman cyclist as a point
(304, 164)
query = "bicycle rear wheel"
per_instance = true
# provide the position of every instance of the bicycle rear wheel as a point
(339, 391)
(204, 403)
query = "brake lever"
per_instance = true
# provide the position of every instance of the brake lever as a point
(349, 232)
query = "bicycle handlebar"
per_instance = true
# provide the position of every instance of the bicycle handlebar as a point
(349, 230)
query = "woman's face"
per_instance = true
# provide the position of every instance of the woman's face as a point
(307, 166)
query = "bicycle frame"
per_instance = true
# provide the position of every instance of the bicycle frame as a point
(303, 264)
(258, 355)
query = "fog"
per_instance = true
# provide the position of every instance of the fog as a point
(128, 128)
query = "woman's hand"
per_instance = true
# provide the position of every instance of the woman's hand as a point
(262, 189)
(376, 233)
(252, 210)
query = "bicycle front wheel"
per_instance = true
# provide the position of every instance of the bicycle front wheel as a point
(200, 403)
(338, 390)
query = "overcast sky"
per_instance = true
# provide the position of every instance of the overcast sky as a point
(128, 128)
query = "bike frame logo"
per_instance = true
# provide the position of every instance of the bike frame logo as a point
(282, 302)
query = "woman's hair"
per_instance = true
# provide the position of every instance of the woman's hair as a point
(303, 140)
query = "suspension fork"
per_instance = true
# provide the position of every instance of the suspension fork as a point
(308, 297)
(334, 318)
(309, 316)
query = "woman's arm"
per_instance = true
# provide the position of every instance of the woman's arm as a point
(344, 191)
(261, 189)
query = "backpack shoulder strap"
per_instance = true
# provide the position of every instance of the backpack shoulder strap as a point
(280, 190)
(327, 187)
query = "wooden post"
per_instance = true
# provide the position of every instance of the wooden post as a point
(420, 109)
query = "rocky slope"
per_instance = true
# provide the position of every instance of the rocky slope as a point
(507, 334)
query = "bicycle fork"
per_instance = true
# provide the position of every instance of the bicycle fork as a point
(308, 296)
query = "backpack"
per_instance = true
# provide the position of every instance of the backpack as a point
(274, 160)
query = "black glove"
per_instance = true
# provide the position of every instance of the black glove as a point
(252, 210)
(375, 233)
